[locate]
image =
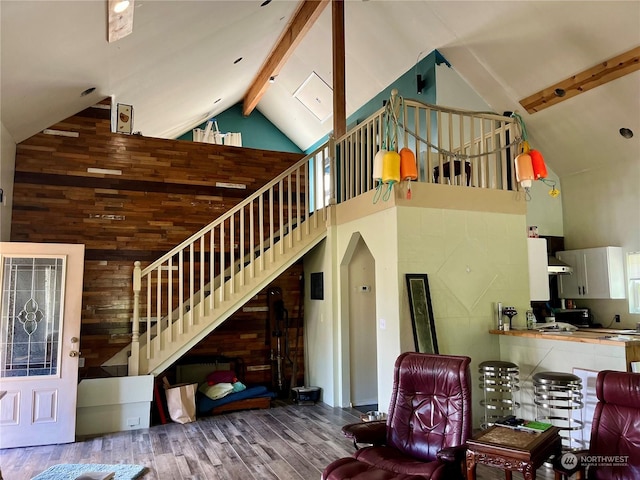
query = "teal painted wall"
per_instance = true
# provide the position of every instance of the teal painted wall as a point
(407, 86)
(257, 131)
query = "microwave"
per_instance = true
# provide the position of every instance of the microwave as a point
(580, 317)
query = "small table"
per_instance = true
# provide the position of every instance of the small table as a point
(510, 450)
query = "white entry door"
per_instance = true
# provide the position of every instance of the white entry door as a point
(41, 302)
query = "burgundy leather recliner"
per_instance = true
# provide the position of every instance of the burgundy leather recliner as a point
(426, 430)
(615, 431)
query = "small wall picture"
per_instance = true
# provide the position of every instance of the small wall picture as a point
(125, 118)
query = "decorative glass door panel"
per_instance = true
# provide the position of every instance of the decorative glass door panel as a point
(40, 314)
(32, 293)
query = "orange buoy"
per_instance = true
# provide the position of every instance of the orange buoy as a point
(408, 167)
(537, 161)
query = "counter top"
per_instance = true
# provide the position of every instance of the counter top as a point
(601, 336)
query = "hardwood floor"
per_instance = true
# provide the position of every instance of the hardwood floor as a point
(286, 442)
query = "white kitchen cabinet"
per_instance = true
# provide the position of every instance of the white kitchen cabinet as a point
(597, 273)
(538, 269)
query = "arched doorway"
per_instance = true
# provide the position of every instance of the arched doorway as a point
(363, 371)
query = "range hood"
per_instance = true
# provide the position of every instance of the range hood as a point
(558, 267)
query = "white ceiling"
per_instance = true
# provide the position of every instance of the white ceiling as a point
(180, 59)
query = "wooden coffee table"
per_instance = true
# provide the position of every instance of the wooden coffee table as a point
(512, 450)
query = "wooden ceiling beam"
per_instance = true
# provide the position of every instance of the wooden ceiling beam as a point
(593, 77)
(302, 21)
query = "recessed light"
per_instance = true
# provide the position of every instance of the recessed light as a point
(626, 132)
(559, 92)
(121, 6)
(272, 79)
(238, 60)
(88, 91)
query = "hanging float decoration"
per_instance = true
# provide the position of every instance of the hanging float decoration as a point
(408, 168)
(524, 167)
(384, 163)
(539, 168)
(530, 166)
(377, 172)
(390, 166)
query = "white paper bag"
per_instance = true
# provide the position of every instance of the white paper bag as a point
(181, 402)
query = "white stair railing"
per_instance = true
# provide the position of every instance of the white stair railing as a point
(185, 286)
(189, 284)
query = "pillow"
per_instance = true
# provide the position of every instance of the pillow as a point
(221, 376)
(216, 391)
(238, 387)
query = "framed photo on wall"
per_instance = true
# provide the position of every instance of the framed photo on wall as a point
(422, 321)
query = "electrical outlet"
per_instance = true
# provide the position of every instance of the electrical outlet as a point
(616, 318)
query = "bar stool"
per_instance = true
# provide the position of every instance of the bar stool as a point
(499, 381)
(557, 396)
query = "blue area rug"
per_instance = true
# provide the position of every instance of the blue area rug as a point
(71, 471)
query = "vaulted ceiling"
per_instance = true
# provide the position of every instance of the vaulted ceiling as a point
(179, 66)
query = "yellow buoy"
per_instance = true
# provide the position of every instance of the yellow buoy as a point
(391, 167)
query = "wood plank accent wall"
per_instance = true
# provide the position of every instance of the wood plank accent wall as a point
(165, 193)
(247, 335)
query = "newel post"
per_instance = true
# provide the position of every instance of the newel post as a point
(134, 359)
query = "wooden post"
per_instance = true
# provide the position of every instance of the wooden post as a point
(134, 359)
(339, 101)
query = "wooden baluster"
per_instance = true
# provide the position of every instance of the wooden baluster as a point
(170, 299)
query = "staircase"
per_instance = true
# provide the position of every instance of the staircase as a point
(183, 296)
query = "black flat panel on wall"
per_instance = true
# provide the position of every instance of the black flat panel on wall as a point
(317, 286)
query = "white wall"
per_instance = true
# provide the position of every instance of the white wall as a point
(472, 245)
(602, 208)
(545, 211)
(320, 364)
(382, 243)
(452, 91)
(7, 168)
(472, 259)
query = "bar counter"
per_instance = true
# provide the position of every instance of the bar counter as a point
(583, 352)
(601, 336)
(605, 342)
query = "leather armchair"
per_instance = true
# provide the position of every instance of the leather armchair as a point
(615, 431)
(428, 423)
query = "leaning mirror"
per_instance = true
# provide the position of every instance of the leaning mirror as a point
(422, 321)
